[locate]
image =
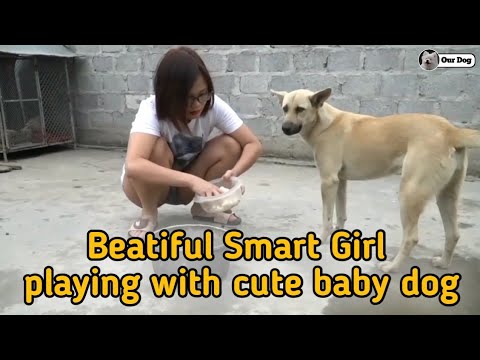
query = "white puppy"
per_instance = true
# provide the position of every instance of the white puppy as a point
(429, 60)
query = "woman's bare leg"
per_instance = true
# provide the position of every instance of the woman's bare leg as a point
(146, 195)
(219, 155)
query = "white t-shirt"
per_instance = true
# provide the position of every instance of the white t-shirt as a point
(185, 147)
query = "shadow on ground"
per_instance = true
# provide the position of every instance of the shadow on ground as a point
(395, 303)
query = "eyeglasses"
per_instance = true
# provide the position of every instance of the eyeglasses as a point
(202, 99)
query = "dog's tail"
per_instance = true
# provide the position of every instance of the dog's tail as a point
(468, 138)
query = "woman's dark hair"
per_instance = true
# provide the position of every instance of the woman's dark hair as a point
(175, 75)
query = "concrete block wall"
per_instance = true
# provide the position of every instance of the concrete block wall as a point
(109, 81)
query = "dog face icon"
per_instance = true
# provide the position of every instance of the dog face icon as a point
(429, 60)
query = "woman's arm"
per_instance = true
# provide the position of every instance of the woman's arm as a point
(228, 121)
(252, 149)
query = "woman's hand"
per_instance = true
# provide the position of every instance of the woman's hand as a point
(204, 188)
(228, 175)
(227, 178)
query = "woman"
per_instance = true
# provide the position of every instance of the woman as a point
(170, 157)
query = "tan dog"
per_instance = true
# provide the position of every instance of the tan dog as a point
(430, 152)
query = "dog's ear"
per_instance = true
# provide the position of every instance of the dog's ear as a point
(280, 95)
(320, 97)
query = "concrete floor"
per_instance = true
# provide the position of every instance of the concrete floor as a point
(59, 195)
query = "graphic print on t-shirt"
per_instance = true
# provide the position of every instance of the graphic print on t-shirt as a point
(185, 148)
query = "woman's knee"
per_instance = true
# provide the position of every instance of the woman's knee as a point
(228, 146)
(162, 154)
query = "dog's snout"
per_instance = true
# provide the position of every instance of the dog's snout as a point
(289, 128)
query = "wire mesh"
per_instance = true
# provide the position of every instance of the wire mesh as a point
(34, 103)
(55, 100)
(17, 77)
(22, 129)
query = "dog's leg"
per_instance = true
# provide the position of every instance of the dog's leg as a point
(447, 202)
(341, 205)
(329, 167)
(412, 203)
(329, 194)
(427, 169)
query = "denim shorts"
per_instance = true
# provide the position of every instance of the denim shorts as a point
(173, 197)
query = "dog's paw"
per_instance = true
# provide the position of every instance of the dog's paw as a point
(325, 239)
(387, 267)
(439, 262)
(326, 235)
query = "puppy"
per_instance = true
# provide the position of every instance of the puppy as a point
(429, 151)
(429, 60)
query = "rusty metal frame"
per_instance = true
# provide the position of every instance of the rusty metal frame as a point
(6, 147)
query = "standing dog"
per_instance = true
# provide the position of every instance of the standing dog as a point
(430, 152)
